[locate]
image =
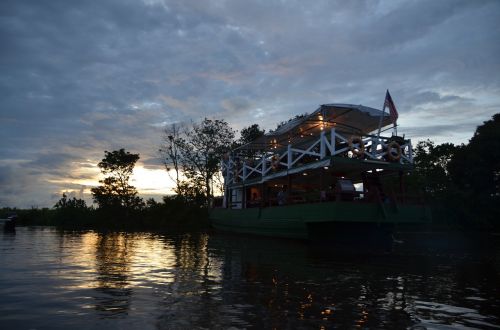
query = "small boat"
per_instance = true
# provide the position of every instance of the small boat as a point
(323, 175)
(9, 224)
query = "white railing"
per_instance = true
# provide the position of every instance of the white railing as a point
(236, 169)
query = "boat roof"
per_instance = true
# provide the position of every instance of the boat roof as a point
(347, 118)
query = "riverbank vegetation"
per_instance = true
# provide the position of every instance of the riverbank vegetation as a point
(172, 213)
(460, 182)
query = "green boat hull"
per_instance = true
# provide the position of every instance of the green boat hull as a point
(301, 220)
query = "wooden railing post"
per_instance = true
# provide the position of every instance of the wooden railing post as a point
(332, 141)
(263, 165)
(322, 146)
(289, 156)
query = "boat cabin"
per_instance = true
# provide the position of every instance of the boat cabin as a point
(333, 154)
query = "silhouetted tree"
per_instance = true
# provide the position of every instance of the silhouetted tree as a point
(115, 190)
(475, 169)
(170, 152)
(250, 133)
(191, 191)
(195, 153)
(70, 211)
(431, 165)
(296, 117)
(202, 150)
(72, 203)
(463, 180)
(247, 135)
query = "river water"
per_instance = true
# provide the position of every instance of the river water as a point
(51, 279)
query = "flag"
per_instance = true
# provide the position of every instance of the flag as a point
(392, 108)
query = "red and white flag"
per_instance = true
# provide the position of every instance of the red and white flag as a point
(392, 108)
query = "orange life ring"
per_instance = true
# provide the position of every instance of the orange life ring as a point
(393, 146)
(357, 151)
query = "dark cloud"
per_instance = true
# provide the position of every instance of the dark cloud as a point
(153, 163)
(429, 97)
(6, 175)
(81, 77)
(445, 133)
(51, 161)
(407, 23)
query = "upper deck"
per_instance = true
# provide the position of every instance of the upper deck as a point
(339, 136)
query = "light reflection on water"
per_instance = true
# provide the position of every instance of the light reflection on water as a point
(50, 279)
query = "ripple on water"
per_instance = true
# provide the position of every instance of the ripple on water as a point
(52, 279)
(443, 316)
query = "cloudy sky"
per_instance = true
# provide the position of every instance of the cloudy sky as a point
(80, 77)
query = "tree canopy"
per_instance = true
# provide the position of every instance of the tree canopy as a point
(279, 125)
(463, 179)
(477, 165)
(250, 133)
(170, 151)
(70, 203)
(197, 151)
(115, 190)
(431, 165)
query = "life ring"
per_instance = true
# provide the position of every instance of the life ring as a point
(391, 147)
(357, 151)
(275, 162)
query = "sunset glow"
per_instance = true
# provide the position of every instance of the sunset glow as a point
(148, 182)
(152, 181)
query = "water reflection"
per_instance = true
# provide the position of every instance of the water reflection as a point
(154, 281)
(305, 286)
(112, 260)
(194, 297)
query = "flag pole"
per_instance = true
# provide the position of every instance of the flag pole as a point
(381, 117)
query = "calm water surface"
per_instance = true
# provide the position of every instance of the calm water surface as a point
(88, 280)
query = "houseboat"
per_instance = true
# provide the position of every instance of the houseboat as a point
(321, 175)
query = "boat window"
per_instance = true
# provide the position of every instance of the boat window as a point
(345, 185)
